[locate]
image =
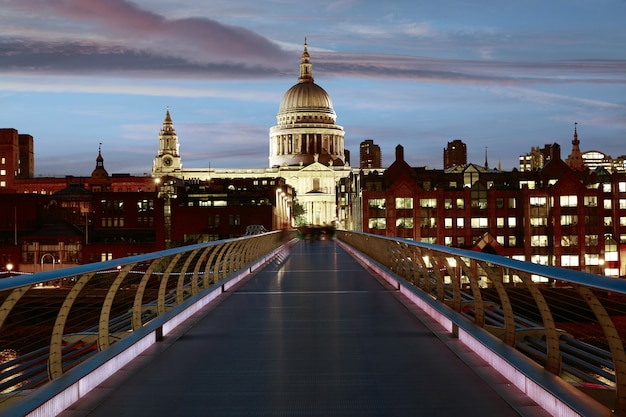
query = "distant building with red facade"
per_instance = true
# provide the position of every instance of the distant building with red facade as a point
(556, 216)
(53, 222)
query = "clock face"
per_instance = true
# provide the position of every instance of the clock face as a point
(167, 161)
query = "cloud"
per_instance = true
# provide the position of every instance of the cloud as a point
(120, 26)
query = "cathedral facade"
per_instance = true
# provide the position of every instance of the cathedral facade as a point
(306, 148)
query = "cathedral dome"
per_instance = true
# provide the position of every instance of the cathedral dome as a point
(306, 131)
(306, 96)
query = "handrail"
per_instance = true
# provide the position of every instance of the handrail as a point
(52, 321)
(540, 310)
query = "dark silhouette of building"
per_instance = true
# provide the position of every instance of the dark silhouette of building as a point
(454, 154)
(370, 156)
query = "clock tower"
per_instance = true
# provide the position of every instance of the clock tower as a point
(168, 158)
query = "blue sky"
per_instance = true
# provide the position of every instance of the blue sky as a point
(501, 76)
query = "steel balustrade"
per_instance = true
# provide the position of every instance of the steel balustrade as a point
(547, 313)
(52, 321)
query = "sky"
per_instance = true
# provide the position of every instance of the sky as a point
(501, 76)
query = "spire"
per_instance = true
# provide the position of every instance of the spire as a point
(168, 125)
(306, 71)
(100, 159)
(576, 159)
(99, 174)
(486, 160)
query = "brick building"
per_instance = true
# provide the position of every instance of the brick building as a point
(554, 216)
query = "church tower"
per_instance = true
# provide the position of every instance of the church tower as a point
(575, 160)
(168, 157)
(306, 131)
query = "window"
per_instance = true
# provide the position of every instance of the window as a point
(512, 221)
(479, 222)
(568, 201)
(512, 241)
(428, 222)
(538, 221)
(447, 240)
(622, 203)
(571, 240)
(569, 260)
(378, 203)
(428, 202)
(499, 203)
(591, 240)
(512, 202)
(539, 241)
(447, 223)
(499, 222)
(591, 201)
(447, 203)
(607, 204)
(404, 222)
(622, 187)
(460, 222)
(377, 223)
(538, 201)
(3, 172)
(460, 203)
(569, 219)
(592, 259)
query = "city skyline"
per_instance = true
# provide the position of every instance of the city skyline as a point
(500, 77)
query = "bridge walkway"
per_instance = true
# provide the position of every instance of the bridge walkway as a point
(313, 334)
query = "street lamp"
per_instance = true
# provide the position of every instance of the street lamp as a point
(9, 267)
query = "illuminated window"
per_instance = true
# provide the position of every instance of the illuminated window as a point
(447, 203)
(591, 240)
(622, 203)
(591, 201)
(571, 240)
(460, 222)
(404, 222)
(447, 223)
(479, 222)
(377, 223)
(3, 172)
(378, 203)
(499, 222)
(428, 202)
(568, 201)
(538, 201)
(569, 219)
(539, 241)
(569, 260)
(460, 203)
(512, 221)
(404, 203)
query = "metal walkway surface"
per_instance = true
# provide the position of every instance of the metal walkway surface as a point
(314, 334)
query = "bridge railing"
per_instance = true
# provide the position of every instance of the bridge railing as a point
(53, 321)
(571, 323)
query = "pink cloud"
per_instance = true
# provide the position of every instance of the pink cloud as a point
(195, 39)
